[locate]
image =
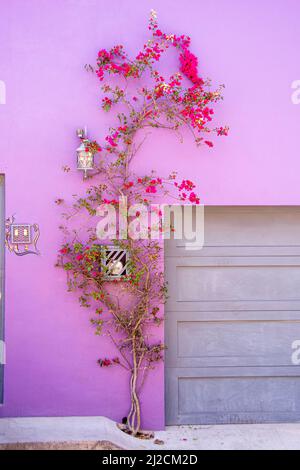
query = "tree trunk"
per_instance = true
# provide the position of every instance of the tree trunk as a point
(134, 416)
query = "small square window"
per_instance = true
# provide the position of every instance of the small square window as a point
(115, 262)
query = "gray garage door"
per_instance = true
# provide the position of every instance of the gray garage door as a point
(231, 318)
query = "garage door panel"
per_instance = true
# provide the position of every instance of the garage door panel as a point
(237, 307)
(252, 226)
(204, 398)
(223, 283)
(238, 394)
(229, 343)
(231, 315)
(179, 249)
(236, 371)
(244, 261)
(237, 229)
(232, 399)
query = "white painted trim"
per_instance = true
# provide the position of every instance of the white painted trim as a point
(2, 92)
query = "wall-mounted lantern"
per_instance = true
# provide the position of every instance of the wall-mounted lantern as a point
(115, 262)
(85, 157)
(19, 237)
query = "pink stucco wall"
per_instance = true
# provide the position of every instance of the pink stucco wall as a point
(250, 45)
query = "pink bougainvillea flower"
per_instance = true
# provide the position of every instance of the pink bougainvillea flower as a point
(106, 103)
(194, 198)
(111, 141)
(104, 362)
(104, 56)
(151, 189)
(222, 131)
(128, 185)
(189, 66)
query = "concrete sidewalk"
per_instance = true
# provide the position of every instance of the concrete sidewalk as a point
(102, 433)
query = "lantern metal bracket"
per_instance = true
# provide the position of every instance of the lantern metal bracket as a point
(18, 237)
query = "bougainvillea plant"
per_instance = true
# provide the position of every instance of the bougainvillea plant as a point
(126, 309)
